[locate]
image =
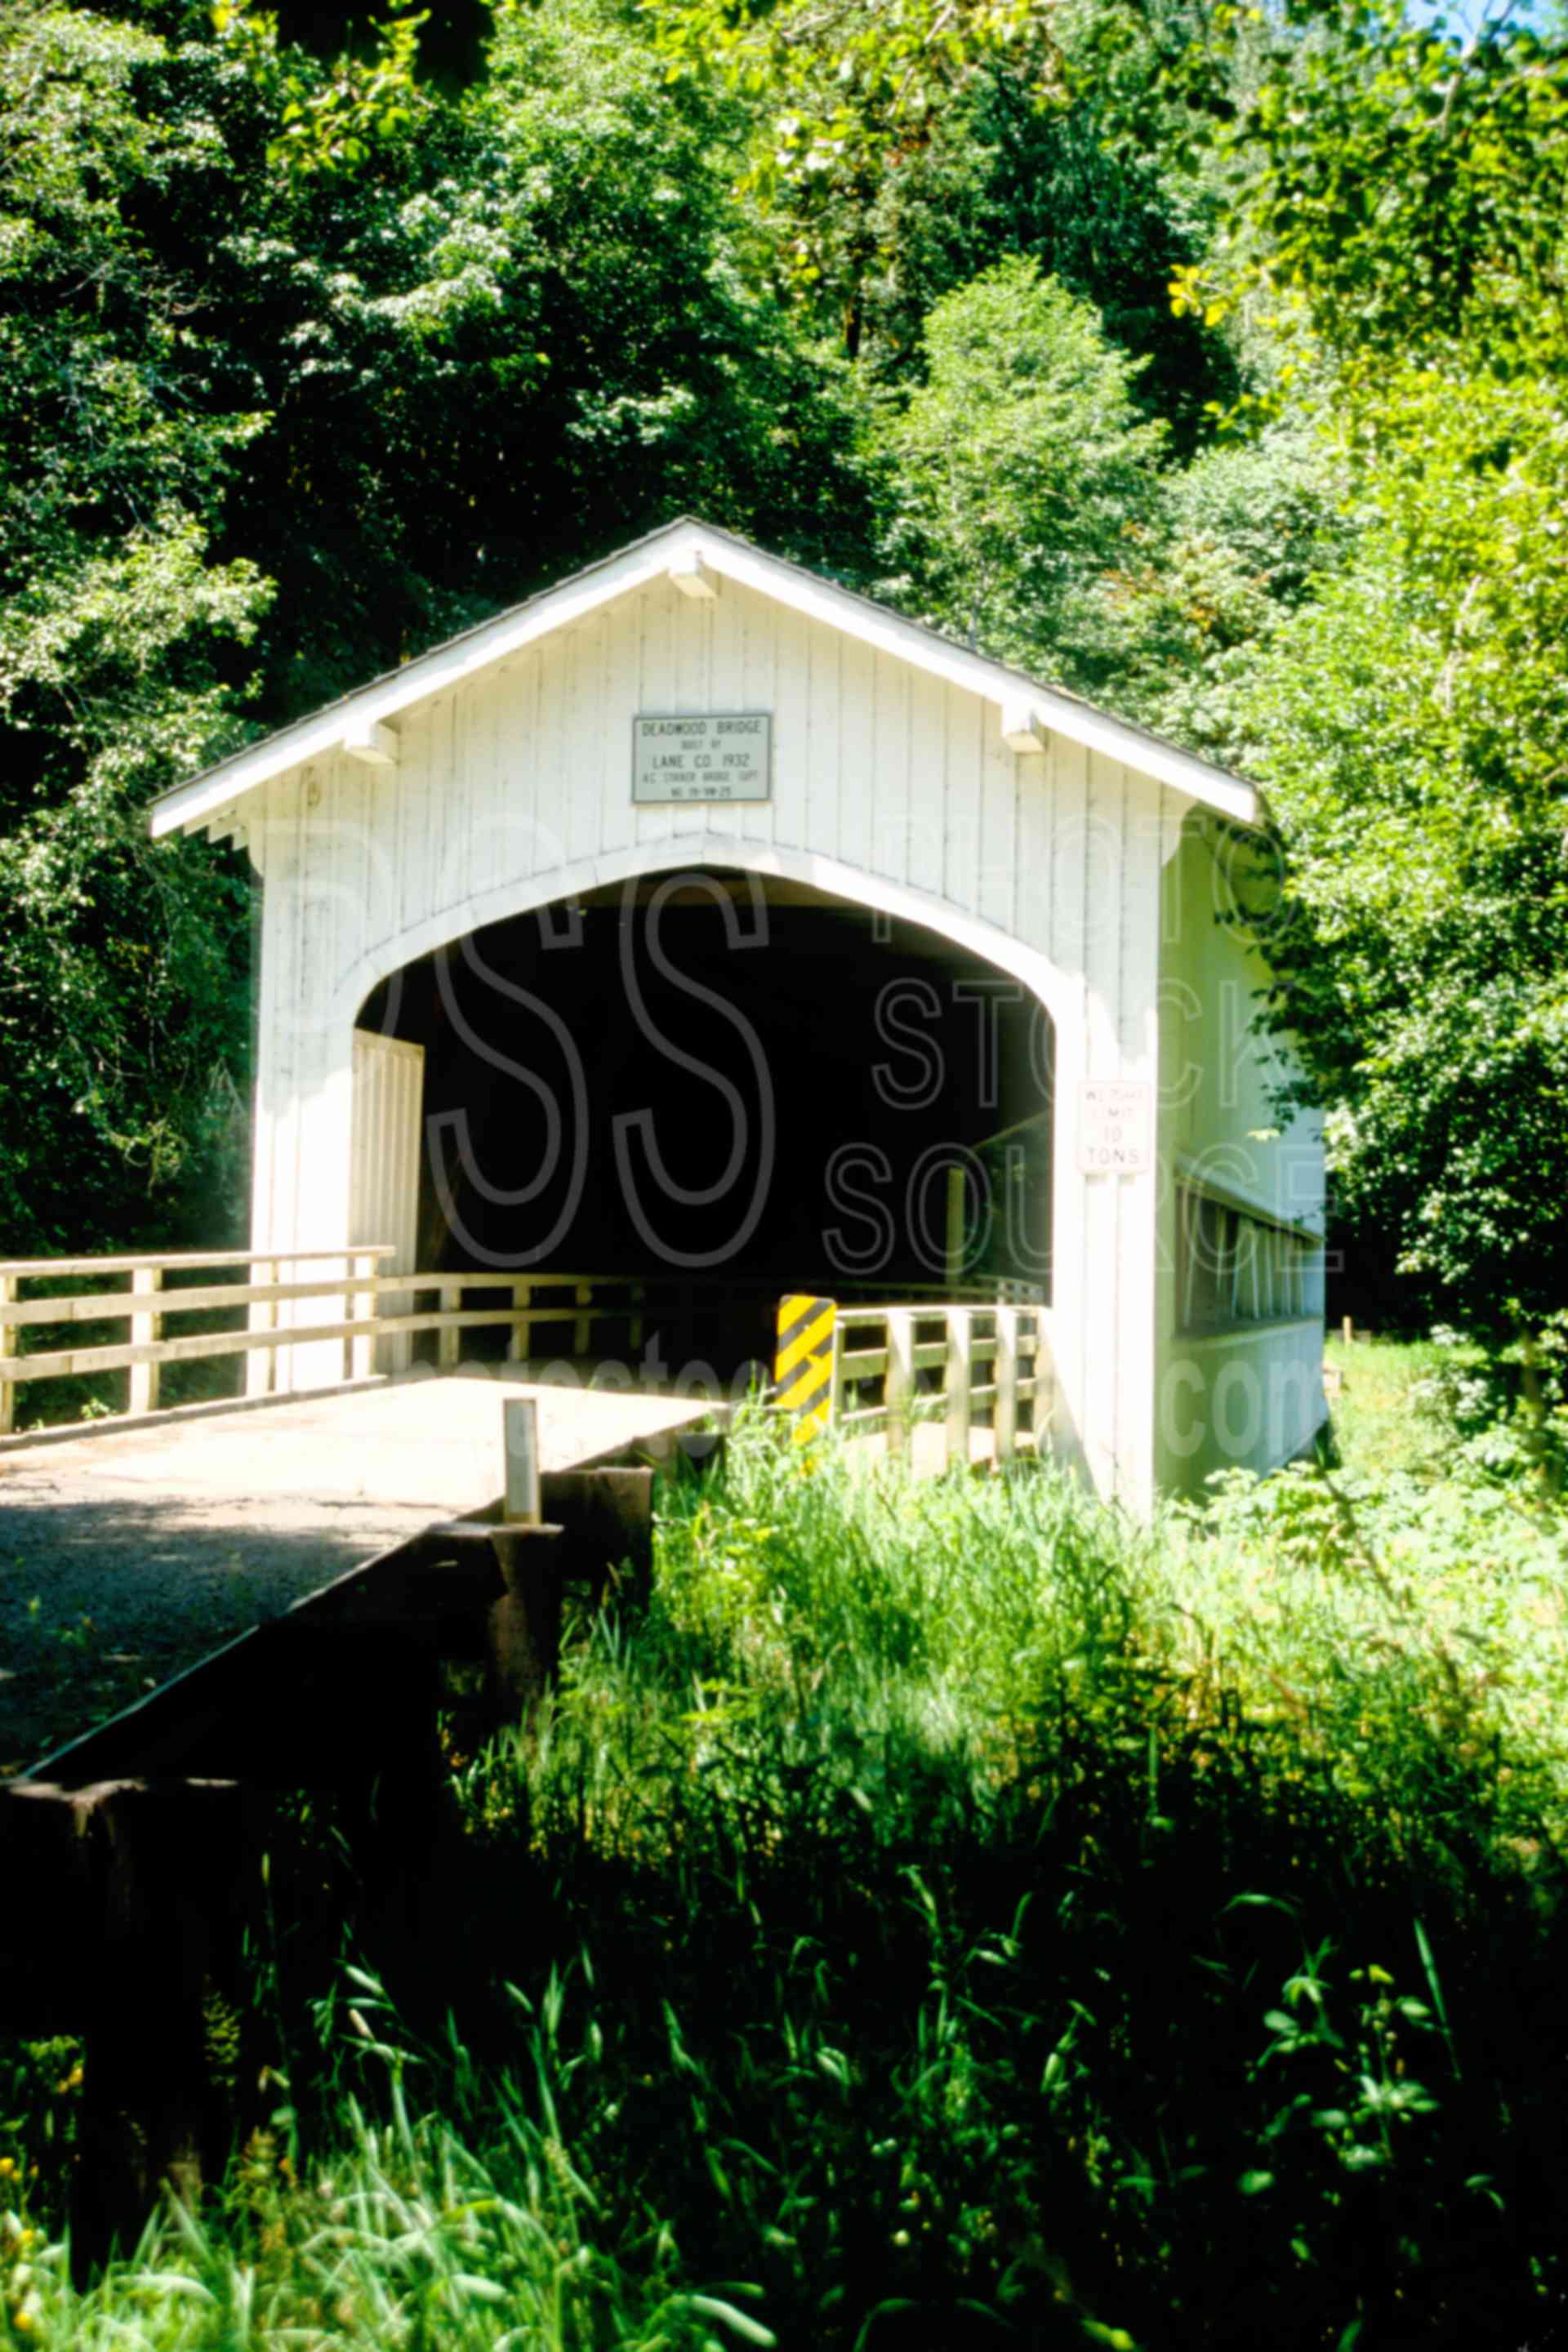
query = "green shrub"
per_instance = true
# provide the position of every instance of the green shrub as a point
(952, 1913)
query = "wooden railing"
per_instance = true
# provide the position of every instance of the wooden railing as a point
(273, 1292)
(970, 1363)
(964, 1366)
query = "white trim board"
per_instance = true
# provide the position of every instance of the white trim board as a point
(689, 551)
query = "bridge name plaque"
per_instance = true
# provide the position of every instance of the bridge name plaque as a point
(715, 755)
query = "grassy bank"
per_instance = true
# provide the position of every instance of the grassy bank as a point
(951, 1914)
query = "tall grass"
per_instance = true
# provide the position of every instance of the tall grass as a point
(952, 1914)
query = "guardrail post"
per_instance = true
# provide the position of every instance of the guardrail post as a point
(899, 1386)
(7, 1347)
(1005, 1362)
(144, 1330)
(261, 1363)
(363, 1306)
(1042, 1385)
(448, 1341)
(635, 1326)
(581, 1328)
(520, 1428)
(517, 1338)
(960, 1361)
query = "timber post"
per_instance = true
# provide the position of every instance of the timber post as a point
(146, 1329)
(7, 1343)
(899, 1386)
(959, 1371)
(149, 1886)
(1005, 1425)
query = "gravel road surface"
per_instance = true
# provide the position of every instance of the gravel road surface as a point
(128, 1554)
(159, 1581)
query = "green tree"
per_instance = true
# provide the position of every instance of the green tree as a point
(122, 640)
(1409, 727)
(1249, 533)
(1020, 477)
(843, 100)
(1399, 187)
(303, 368)
(1003, 174)
(1395, 233)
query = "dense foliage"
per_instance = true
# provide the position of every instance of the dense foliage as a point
(948, 1916)
(1211, 361)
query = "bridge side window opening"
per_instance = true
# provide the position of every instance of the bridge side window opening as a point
(1234, 1268)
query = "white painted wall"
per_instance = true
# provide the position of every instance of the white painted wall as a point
(1251, 1397)
(892, 787)
(384, 1182)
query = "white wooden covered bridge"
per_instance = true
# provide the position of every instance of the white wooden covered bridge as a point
(703, 924)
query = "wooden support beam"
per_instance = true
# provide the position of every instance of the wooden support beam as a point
(372, 742)
(606, 1519)
(956, 1237)
(692, 576)
(520, 1428)
(517, 1345)
(362, 1309)
(899, 1388)
(142, 1892)
(260, 1367)
(309, 1700)
(1023, 728)
(43, 1268)
(7, 1346)
(145, 1328)
(112, 1306)
(959, 1372)
(1006, 1413)
(524, 1634)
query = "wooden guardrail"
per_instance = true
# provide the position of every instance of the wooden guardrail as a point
(275, 1284)
(967, 1366)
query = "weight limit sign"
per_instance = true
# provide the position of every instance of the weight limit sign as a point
(802, 1362)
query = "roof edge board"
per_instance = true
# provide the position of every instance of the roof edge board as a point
(977, 674)
(700, 547)
(445, 667)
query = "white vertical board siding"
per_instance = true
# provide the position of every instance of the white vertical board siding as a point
(1138, 1056)
(893, 695)
(857, 753)
(1249, 1397)
(785, 822)
(925, 783)
(824, 740)
(1100, 886)
(1000, 788)
(514, 789)
(384, 1208)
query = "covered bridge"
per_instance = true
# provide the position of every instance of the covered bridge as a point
(700, 916)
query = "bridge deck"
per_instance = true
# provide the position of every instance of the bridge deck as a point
(171, 1537)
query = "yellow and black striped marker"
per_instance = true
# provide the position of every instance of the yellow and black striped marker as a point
(802, 1362)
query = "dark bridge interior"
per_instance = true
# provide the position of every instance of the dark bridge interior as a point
(723, 1082)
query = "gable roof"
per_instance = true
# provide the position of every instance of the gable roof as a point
(692, 551)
